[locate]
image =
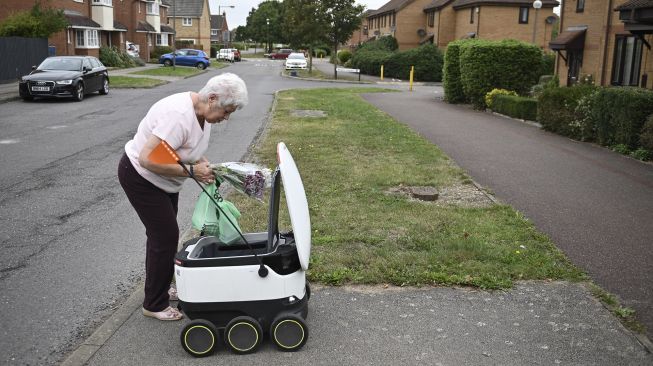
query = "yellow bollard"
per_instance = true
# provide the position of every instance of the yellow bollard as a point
(412, 70)
(381, 72)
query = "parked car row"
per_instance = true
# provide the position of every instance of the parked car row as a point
(228, 54)
(65, 76)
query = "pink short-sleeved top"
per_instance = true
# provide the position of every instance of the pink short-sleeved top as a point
(171, 119)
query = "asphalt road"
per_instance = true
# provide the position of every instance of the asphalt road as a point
(72, 248)
(596, 205)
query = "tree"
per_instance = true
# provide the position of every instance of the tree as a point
(257, 22)
(341, 18)
(241, 33)
(304, 25)
(35, 23)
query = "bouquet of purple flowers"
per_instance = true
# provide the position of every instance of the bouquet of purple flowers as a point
(247, 178)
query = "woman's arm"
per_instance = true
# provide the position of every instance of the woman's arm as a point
(202, 171)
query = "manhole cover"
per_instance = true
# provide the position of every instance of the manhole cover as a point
(310, 113)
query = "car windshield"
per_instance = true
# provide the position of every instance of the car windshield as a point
(297, 57)
(61, 64)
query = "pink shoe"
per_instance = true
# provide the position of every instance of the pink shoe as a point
(169, 313)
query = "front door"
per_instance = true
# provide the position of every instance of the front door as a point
(574, 61)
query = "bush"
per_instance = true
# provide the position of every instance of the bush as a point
(489, 97)
(556, 108)
(34, 23)
(515, 106)
(508, 64)
(112, 57)
(548, 64)
(619, 115)
(136, 60)
(642, 154)
(370, 61)
(646, 136)
(161, 50)
(427, 60)
(318, 52)
(453, 87)
(387, 43)
(344, 56)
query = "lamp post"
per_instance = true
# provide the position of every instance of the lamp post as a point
(267, 45)
(537, 4)
(225, 19)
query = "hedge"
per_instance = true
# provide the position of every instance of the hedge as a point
(646, 137)
(157, 51)
(620, 113)
(556, 109)
(453, 87)
(112, 57)
(426, 59)
(507, 64)
(515, 106)
(370, 61)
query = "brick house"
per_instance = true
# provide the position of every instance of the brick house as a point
(192, 20)
(97, 23)
(220, 34)
(609, 40)
(362, 34)
(416, 22)
(399, 18)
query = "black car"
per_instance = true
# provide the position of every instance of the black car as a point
(65, 76)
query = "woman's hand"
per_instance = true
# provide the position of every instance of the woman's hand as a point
(203, 172)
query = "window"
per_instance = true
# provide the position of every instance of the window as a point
(431, 20)
(103, 2)
(186, 40)
(627, 61)
(580, 6)
(87, 64)
(523, 15)
(471, 16)
(214, 32)
(187, 21)
(94, 62)
(394, 19)
(87, 38)
(161, 39)
(152, 8)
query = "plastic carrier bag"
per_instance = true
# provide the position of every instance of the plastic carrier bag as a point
(211, 221)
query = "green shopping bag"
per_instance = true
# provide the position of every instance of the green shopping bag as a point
(210, 220)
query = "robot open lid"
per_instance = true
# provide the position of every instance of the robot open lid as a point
(222, 289)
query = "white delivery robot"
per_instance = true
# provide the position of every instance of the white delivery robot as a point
(242, 291)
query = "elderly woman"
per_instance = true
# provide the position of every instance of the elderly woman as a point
(183, 121)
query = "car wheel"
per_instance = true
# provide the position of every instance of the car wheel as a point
(167, 63)
(200, 65)
(105, 87)
(78, 93)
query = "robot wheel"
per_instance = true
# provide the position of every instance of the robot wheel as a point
(199, 338)
(289, 332)
(243, 334)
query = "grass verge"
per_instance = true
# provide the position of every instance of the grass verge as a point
(361, 234)
(317, 74)
(625, 314)
(178, 71)
(132, 82)
(253, 55)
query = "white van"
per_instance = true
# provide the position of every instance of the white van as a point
(226, 54)
(132, 49)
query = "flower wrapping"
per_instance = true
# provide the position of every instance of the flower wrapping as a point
(247, 178)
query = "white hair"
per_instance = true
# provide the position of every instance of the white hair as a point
(229, 88)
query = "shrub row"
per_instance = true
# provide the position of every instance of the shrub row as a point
(508, 64)
(161, 50)
(112, 57)
(612, 116)
(515, 106)
(426, 59)
(453, 86)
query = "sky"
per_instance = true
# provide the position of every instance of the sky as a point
(238, 14)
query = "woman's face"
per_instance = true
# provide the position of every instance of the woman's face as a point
(217, 114)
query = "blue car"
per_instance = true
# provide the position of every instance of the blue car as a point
(187, 57)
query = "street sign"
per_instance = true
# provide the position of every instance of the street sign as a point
(343, 69)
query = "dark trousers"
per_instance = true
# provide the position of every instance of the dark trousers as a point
(157, 210)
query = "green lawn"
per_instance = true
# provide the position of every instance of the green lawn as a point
(134, 82)
(178, 71)
(361, 233)
(252, 55)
